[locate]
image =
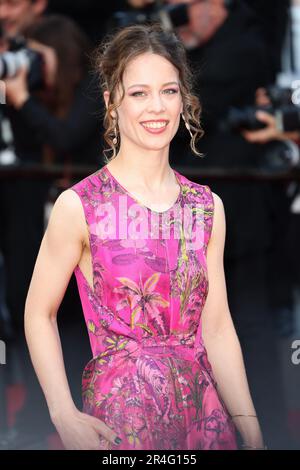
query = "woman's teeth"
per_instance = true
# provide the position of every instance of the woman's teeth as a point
(154, 125)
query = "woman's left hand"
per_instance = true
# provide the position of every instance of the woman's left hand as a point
(16, 89)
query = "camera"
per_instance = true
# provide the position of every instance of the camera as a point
(282, 107)
(278, 156)
(18, 56)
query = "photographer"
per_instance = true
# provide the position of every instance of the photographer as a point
(58, 122)
(275, 128)
(16, 15)
(283, 125)
(62, 114)
(285, 221)
(204, 18)
(272, 130)
(272, 16)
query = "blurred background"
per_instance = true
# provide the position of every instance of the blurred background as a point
(245, 55)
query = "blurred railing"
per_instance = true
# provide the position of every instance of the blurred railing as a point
(77, 172)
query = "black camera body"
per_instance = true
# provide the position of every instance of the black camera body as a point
(281, 106)
(278, 155)
(18, 56)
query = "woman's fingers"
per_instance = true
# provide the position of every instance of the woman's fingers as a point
(105, 431)
(82, 431)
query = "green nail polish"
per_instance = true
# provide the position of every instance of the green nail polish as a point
(118, 440)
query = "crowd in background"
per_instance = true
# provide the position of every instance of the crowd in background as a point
(245, 55)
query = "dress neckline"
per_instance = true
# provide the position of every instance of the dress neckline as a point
(177, 176)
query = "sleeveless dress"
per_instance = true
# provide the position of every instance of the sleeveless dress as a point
(149, 379)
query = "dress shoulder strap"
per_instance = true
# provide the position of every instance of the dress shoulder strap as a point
(209, 214)
(201, 198)
(91, 193)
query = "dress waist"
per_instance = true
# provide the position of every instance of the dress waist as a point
(183, 346)
(120, 349)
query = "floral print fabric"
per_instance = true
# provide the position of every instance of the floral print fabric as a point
(149, 379)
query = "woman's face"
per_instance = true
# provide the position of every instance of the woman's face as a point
(149, 114)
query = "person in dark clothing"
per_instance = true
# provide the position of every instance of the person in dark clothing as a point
(78, 134)
(229, 67)
(272, 15)
(65, 114)
(16, 15)
(56, 124)
(228, 70)
(92, 15)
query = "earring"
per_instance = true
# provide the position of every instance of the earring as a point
(115, 139)
(187, 125)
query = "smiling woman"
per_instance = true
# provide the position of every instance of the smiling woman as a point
(129, 87)
(152, 321)
(155, 107)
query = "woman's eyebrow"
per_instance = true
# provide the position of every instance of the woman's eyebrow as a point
(147, 86)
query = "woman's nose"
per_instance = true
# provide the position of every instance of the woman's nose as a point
(157, 103)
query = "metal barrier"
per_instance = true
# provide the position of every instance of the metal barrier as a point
(74, 172)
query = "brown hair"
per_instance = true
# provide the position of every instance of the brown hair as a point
(72, 48)
(115, 52)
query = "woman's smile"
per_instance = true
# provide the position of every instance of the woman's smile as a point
(155, 127)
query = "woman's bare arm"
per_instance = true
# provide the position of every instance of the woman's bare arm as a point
(220, 338)
(59, 253)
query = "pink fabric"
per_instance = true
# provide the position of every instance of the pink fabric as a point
(149, 379)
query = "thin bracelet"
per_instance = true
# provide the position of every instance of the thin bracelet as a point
(252, 416)
(245, 446)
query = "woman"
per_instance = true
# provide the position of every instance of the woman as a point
(167, 370)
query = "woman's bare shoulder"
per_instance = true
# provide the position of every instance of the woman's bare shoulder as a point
(218, 203)
(68, 214)
(217, 200)
(219, 222)
(68, 200)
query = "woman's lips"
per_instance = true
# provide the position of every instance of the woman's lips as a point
(155, 130)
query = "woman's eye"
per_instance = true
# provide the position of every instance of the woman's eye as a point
(137, 93)
(172, 90)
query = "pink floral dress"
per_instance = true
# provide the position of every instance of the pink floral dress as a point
(149, 379)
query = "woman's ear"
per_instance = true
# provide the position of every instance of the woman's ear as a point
(106, 98)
